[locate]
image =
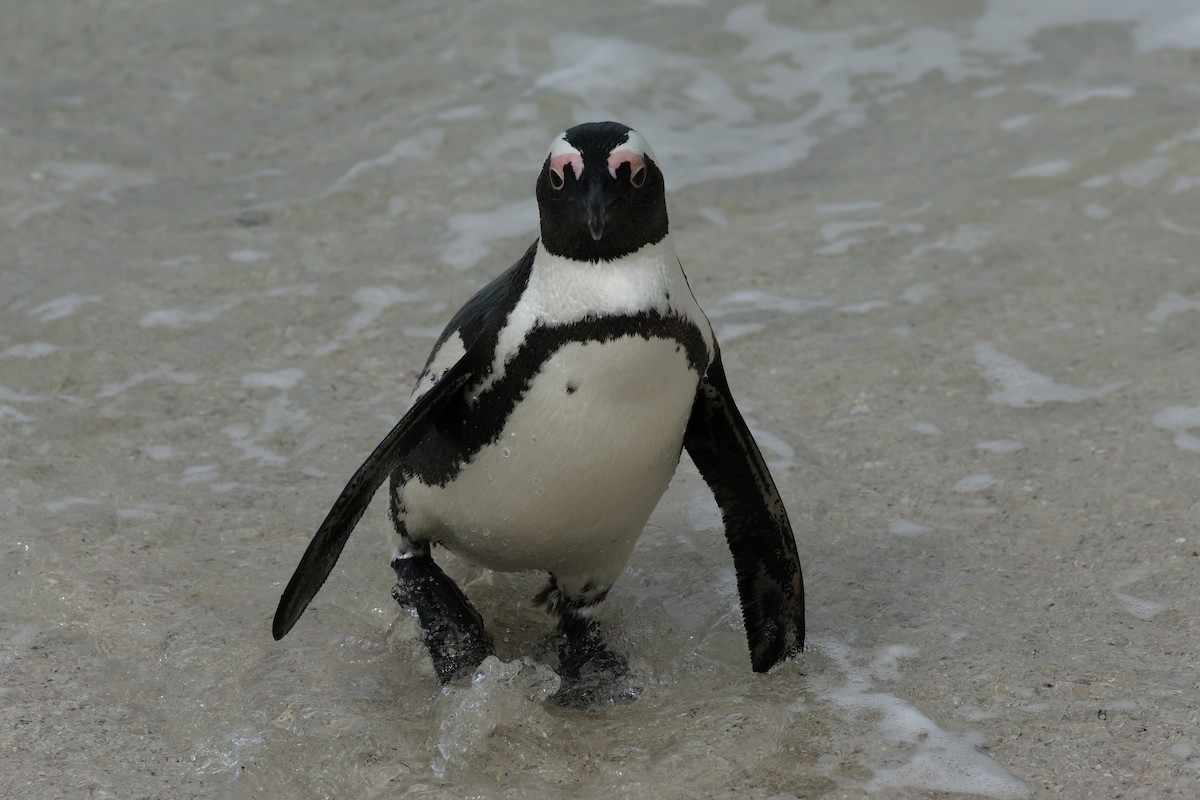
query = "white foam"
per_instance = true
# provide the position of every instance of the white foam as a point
(63, 306)
(964, 239)
(179, 261)
(1147, 172)
(727, 332)
(249, 256)
(397, 205)
(847, 208)
(1008, 28)
(1170, 304)
(250, 446)
(56, 506)
(918, 293)
(500, 693)
(838, 248)
(865, 307)
(1169, 144)
(373, 300)
(940, 760)
(926, 428)
(159, 452)
(904, 527)
(423, 146)
(283, 379)
(714, 216)
(14, 413)
(472, 232)
(24, 635)
(1178, 420)
(277, 415)
(138, 513)
(741, 313)
(31, 350)
(199, 473)
(1075, 97)
(36, 210)
(103, 179)
(228, 757)
(831, 231)
(1015, 122)
(17, 397)
(1184, 183)
(1094, 211)
(179, 318)
(161, 372)
(1044, 169)
(1175, 227)
(763, 301)
(1000, 446)
(463, 113)
(1137, 606)
(1022, 387)
(258, 174)
(975, 483)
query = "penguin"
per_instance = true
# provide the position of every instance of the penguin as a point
(549, 419)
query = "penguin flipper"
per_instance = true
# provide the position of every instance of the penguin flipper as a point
(757, 530)
(326, 545)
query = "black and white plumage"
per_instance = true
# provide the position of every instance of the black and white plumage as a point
(549, 420)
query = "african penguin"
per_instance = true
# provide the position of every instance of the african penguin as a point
(549, 419)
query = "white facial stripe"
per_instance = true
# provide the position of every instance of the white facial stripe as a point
(624, 155)
(562, 291)
(633, 150)
(563, 153)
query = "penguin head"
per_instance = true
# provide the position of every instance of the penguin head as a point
(600, 193)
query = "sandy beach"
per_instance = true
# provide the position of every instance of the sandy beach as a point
(951, 252)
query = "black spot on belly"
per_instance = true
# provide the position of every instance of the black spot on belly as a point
(572, 387)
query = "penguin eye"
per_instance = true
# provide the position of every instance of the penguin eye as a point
(557, 181)
(638, 176)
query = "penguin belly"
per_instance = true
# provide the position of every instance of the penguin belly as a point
(580, 464)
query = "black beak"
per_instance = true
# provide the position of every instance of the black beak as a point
(595, 209)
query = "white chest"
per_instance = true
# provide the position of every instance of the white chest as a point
(591, 446)
(578, 468)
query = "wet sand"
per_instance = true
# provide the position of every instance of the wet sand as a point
(951, 255)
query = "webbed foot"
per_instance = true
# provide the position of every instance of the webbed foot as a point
(592, 675)
(452, 629)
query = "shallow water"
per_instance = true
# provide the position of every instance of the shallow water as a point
(950, 249)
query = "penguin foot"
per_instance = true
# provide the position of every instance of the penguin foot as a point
(592, 675)
(451, 628)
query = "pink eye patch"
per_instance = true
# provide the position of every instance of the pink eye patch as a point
(624, 155)
(560, 161)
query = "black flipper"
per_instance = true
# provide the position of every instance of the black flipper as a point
(327, 544)
(451, 628)
(756, 524)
